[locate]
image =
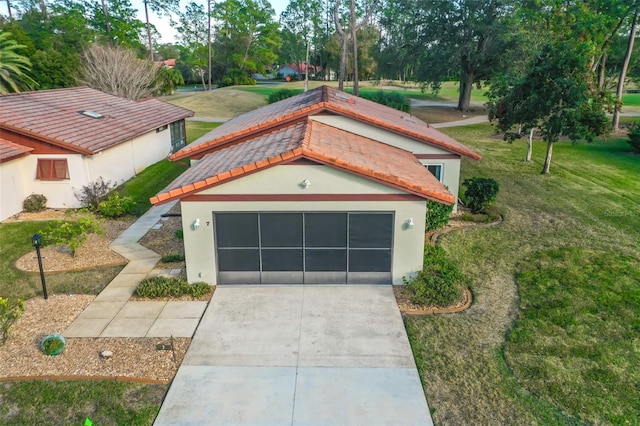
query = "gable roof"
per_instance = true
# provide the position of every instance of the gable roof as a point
(324, 99)
(56, 116)
(10, 150)
(315, 141)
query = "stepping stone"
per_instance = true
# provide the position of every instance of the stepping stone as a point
(157, 226)
(175, 271)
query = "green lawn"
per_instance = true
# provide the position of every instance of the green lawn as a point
(71, 403)
(631, 99)
(157, 176)
(559, 344)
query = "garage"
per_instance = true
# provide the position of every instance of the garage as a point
(304, 247)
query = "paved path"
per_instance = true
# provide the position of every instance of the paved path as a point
(111, 314)
(298, 355)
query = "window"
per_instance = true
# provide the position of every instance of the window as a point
(436, 170)
(178, 139)
(50, 169)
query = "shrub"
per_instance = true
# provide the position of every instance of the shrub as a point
(634, 136)
(236, 77)
(281, 94)
(10, 311)
(115, 205)
(91, 195)
(437, 215)
(480, 193)
(71, 234)
(34, 203)
(173, 257)
(392, 99)
(157, 287)
(179, 234)
(440, 281)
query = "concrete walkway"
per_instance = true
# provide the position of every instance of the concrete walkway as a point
(111, 314)
(298, 355)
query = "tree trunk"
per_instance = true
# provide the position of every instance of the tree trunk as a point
(209, 42)
(466, 84)
(529, 146)
(43, 9)
(623, 72)
(306, 70)
(547, 160)
(603, 71)
(356, 88)
(343, 63)
(146, 14)
(9, 9)
(204, 85)
(106, 17)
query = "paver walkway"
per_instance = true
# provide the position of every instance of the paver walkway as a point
(111, 314)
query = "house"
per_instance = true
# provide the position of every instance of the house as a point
(167, 63)
(54, 142)
(320, 188)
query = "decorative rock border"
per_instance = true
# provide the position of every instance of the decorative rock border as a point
(468, 293)
(88, 378)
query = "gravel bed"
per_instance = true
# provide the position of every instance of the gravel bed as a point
(132, 357)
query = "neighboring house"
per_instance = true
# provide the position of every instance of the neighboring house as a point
(54, 142)
(167, 63)
(320, 188)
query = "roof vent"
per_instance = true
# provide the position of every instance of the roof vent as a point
(91, 114)
(409, 119)
(343, 96)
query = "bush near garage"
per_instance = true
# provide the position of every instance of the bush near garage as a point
(439, 283)
(34, 203)
(158, 287)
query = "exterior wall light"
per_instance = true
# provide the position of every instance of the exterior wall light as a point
(305, 183)
(195, 225)
(409, 223)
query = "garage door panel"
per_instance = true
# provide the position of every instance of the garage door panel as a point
(369, 260)
(281, 229)
(238, 259)
(325, 229)
(282, 277)
(369, 278)
(239, 277)
(325, 277)
(282, 259)
(237, 229)
(334, 260)
(370, 230)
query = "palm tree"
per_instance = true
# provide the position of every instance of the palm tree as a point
(13, 66)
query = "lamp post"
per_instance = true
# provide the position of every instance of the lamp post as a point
(36, 239)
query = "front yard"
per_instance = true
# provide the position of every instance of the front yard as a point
(552, 337)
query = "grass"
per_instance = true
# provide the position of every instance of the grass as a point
(631, 99)
(157, 176)
(64, 402)
(589, 207)
(16, 241)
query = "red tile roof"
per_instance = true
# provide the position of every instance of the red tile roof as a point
(319, 143)
(55, 116)
(10, 150)
(322, 100)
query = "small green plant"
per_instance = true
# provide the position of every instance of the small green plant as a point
(439, 283)
(53, 344)
(92, 194)
(157, 287)
(179, 234)
(634, 136)
(10, 311)
(115, 205)
(480, 193)
(173, 257)
(71, 233)
(391, 99)
(437, 215)
(281, 94)
(34, 203)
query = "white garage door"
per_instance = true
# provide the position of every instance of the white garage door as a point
(309, 248)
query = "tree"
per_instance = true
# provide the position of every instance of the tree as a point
(623, 69)
(13, 66)
(119, 25)
(118, 71)
(193, 34)
(302, 21)
(556, 95)
(164, 7)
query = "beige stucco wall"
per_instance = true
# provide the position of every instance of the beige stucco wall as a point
(199, 244)
(59, 193)
(287, 179)
(378, 134)
(12, 186)
(450, 173)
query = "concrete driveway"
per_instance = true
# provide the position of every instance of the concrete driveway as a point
(298, 355)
